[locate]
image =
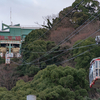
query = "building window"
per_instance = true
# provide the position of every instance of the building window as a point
(99, 72)
(96, 72)
(99, 64)
(96, 64)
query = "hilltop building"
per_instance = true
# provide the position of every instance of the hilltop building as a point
(11, 37)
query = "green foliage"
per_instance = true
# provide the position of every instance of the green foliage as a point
(29, 70)
(79, 17)
(88, 6)
(65, 11)
(54, 83)
(49, 24)
(2, 60)
(15, 59)
(87, 98)
(83, 61)
(32, 50)
(84, 11)
(34, 35)
(51, 83)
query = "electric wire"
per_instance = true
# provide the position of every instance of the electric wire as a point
(71, 33)
(76, 56)
(64, 40)
(61, 19)
(74, 48)
(53, 50)
(73, 57)
(71, 48)
(66, 50)
(66, 60)
(75, 45)
(87, 37)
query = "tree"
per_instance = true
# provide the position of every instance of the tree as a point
(35, 53)
(52, 83)
(84, 11)
(50, 20)
(79, 17)
(87, 6)
(83, 61)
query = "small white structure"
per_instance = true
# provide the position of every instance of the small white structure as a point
(97, 39)
(31, 97)
(1, 54)
(18, 55)
(7, 57)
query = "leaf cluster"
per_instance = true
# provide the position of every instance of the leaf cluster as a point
(83, 61)
(32, 52)
(51, 83)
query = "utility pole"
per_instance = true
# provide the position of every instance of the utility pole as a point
(10, 16)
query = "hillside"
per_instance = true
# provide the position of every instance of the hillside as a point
(65, 28)
(49, 70)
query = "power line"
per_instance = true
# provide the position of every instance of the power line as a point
(75, 45)
(65, 51)
(47, 52)
(70, 34)
(57, 55)
(66, 60)
(59, 20)
(71, 48)
(64, 41)
(71, 37)
(87, 37)
(73, 57)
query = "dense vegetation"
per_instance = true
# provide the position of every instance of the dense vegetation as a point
(50, 81)
(35, 53)
(2, 60)
(81, 13)
(93, 52)
(58, 83)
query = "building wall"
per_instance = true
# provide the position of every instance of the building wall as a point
(15, 32)
(12, 35)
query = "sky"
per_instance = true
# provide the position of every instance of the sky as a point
(30, 12)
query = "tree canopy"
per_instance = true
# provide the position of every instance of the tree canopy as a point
(51, 83)
(84, 11)
(35, 53)
(83, 61)
(87, 6)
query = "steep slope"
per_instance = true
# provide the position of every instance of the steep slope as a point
(65, 28)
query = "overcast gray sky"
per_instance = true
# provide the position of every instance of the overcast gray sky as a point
(27, 12)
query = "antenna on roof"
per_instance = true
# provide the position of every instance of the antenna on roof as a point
(10, 16)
